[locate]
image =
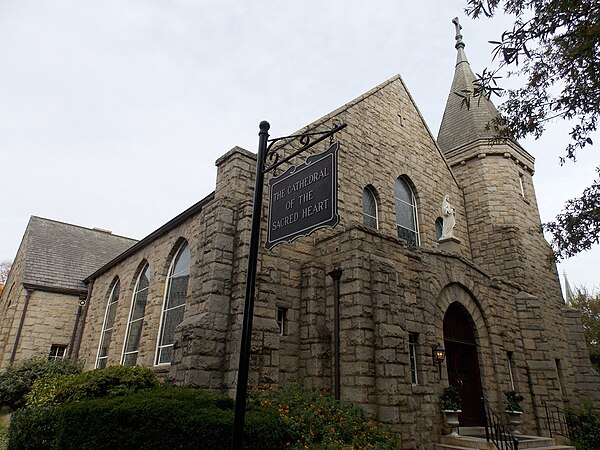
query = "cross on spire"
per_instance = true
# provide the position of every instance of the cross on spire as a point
(458, 37)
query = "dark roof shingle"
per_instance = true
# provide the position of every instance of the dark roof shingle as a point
(60, 255)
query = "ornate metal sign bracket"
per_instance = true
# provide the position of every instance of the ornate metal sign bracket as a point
(306, 140)
(269, 157)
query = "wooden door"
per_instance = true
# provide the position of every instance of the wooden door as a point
(463, 364)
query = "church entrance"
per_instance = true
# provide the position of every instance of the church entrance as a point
(463, 364)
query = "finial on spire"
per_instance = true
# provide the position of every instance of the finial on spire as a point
(458, 37)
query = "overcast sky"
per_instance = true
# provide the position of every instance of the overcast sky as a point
(112, 113)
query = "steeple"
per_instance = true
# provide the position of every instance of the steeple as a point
(568, 291)
(462, 124)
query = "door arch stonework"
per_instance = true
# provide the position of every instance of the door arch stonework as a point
(458, 294)
(462, 364)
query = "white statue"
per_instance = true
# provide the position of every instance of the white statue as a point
(449, 219)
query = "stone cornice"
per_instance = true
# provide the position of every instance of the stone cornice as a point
(484, 148)
(54, 289)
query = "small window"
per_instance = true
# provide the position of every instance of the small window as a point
(406, 212)
(560, 374)
(174, 303)
(107, 326)
(369, 203)
(511, 370)
(439, 226)
(57, 352)
(522, 185)
(413, 346)
(282, 322)
(136, 318)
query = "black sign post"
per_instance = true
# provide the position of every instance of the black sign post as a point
(268, 158)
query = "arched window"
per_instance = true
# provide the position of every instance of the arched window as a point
(174, 305)
(107, 326)
(369, 203)
(439, 227)
(406, 213)
(136, 318)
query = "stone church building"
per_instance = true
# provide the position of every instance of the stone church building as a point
(476, 279)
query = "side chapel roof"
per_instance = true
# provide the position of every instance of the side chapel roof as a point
(60, 255)
(463, 125)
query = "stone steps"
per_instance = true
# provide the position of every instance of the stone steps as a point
(474, 438)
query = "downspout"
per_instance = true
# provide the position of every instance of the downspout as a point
(81, 325)
(80, 305)
(336, 274)
(20, 328)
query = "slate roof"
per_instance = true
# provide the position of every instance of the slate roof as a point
(59, 256)
(461, 125)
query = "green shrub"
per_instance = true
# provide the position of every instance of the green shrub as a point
(584, 425)
(314, 420)
(164, 417)
(3, 437)
(142, 420)
(46, 390)
(112, 381)
(17, 380)
(33, 428)
(450, 400)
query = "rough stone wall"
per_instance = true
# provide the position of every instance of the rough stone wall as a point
(204, 337)
(49, 320)
(385, 138)
(506, 240)
(11, 303)
(159, 256)
(388, 291)
(12, 309)
(578, 380)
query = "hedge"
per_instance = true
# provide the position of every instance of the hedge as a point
(17, 380)
(112, 381)
(162, 418)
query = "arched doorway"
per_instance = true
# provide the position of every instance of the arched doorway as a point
(463, 363)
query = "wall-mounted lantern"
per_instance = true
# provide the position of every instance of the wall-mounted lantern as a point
(439, 355)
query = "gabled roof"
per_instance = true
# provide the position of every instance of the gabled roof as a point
(60, 255)
(463, 125)
(170, 225)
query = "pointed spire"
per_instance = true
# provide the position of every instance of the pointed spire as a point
(463, 124)
(568, 291)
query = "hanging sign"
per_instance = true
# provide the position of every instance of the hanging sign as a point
(304, 198)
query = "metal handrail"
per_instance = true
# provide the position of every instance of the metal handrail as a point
(556, 418)
(497, 431)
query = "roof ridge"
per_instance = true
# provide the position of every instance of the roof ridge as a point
(82, 227)
(337, 111)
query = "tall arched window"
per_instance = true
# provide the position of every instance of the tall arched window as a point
(136, 318)
(174, 304)
(107, 326)
(369, 203)
(406, 212)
